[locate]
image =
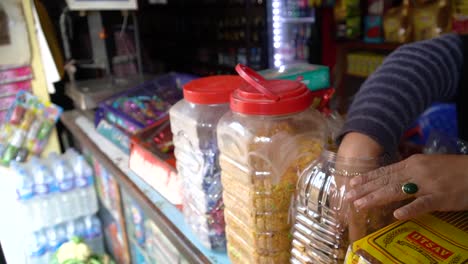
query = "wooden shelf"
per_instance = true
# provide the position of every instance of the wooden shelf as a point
(355, 75)
(343, 48)
(361, 45)
(297, 20)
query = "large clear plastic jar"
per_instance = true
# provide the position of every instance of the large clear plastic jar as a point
(267, 139)
(324, 223)
(193, 123)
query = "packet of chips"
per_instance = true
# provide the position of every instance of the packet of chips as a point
(397, 24)
(28, 125)
(348, 19)
(431, 20)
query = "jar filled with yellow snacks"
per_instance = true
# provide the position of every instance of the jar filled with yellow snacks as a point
(266, 141)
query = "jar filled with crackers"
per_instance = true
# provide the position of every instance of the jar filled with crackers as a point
(265, 142)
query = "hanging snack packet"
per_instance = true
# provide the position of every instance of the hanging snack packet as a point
(397, 24)
(29, 123)
(431, 20)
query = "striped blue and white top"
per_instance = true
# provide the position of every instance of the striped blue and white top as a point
(410, 79)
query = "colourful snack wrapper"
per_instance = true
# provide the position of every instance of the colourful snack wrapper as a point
(29, 123)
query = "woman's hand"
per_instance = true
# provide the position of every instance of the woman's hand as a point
(359, 146)
(442, 182)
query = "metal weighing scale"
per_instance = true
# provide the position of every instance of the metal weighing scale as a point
(86, 94)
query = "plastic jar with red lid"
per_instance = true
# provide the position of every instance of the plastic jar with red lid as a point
(193, 123)
(270, 135)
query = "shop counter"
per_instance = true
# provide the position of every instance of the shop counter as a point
(165, 215)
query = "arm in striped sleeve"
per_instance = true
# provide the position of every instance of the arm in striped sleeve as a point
(409, 80)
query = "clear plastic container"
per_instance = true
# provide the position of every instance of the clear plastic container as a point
(193, 123)
(267, 139)
(324, 222)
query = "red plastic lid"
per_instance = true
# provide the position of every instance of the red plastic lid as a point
(268, 97)
(211, 90)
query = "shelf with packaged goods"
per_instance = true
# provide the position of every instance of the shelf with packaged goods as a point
(343, 48)
(361, 45)
(357, 76)
(203, 8)
(297, 20)
(164, 214)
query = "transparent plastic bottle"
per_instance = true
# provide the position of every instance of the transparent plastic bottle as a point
(268, 138)
(65, 179)
(193, 124)
(86, 191)
(45, 188)
(84, 182)
(27, 206)
(80, 228)
(24, 181)
(324, 224)
(70, 230)
(94, 236)
(36, 248)
(56, 236)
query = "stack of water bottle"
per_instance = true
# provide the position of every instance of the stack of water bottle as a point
(57, 200)
(42, 244)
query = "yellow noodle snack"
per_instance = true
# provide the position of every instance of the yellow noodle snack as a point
(257, 194)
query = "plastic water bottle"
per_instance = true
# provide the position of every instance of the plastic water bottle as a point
(84, 172)
(45, 189)
(65, 179)
(80, 228)
(94, 236)
(85, 184)
(70, 229)
(56, 236)
(71, 156)
(24, 181)
(36, 248)
(27, 206)
(61, 232)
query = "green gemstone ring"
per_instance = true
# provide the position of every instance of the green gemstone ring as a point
(410, 188)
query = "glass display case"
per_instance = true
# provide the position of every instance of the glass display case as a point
(153, 226)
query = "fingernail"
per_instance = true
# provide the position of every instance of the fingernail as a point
(355, 181)
(399, 214)
(350, 195)
(359, 203)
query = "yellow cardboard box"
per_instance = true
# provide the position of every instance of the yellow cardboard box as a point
(429, 239)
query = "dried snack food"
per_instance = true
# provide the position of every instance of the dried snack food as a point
(265, 143)
(257, 208)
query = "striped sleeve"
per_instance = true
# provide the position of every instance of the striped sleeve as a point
(409, 80)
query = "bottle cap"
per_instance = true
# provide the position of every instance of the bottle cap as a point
(211, 90)
(259, 96)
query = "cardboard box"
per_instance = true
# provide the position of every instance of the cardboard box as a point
(315, 77)
(152, 158)
(433, 238)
